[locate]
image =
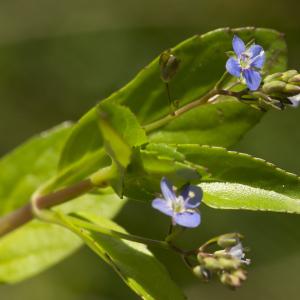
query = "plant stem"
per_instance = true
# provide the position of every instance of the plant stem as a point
(24, 214)
(169, 98)
(161, 122)
(117, 234)
(165, 120)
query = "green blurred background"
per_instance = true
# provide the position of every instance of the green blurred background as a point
(58, 58)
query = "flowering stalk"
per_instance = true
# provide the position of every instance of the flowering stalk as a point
(207, 98)
(116, 234)
(169, 65)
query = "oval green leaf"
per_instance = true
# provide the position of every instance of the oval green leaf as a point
(28, 166)
(133, 262)
(37, 246)
(240, 181)
(202, 64)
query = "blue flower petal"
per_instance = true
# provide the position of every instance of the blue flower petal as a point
(238, 45)
(192, 195)
(163, 206)
(167, 190)
(258, 61)
(187, 219)
(253, 79)
(237, 251)
(233, 67)
(295, 100)
(255, 50)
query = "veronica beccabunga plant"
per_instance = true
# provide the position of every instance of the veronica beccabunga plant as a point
(168, 150)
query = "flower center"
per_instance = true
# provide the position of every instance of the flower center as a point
(178, 205)
(245, 60)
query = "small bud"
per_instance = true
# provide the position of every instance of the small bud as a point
(228, 240)
(230, 280)
(286, 76)
(230, 53)
(221, 253)
(212, 263)
(292, 89)
(275, 76)
(202, 273)
(229, 263)
(295, 79)
(273, 86)
(241, 274)
(169, 64)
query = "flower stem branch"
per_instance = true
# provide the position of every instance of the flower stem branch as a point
(203, 100)
(117, 234)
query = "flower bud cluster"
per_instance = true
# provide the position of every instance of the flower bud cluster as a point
(282, 88)
(228, 264)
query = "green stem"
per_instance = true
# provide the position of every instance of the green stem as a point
(165, 120)
(104, 175)
(169, 98)
(117, 234)
(202, 101)
(224, 79)
(174, 232)
(40, 202)
(24, 214)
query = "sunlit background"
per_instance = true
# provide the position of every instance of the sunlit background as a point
(58, 58)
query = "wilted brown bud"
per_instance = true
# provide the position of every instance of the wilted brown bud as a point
(169, 65)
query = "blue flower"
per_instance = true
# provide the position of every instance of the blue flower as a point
(182, 208)
(238, 253)
(247, 63)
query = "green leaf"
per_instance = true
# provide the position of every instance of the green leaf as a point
(121, 132)
(202, 64)
(240, 181)
(32, 249)
(230, 179)
(37, 246)
(134, 263)
(239, 196)
(143, 176)
(220, 124)
(123, 122)
(28, 166)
